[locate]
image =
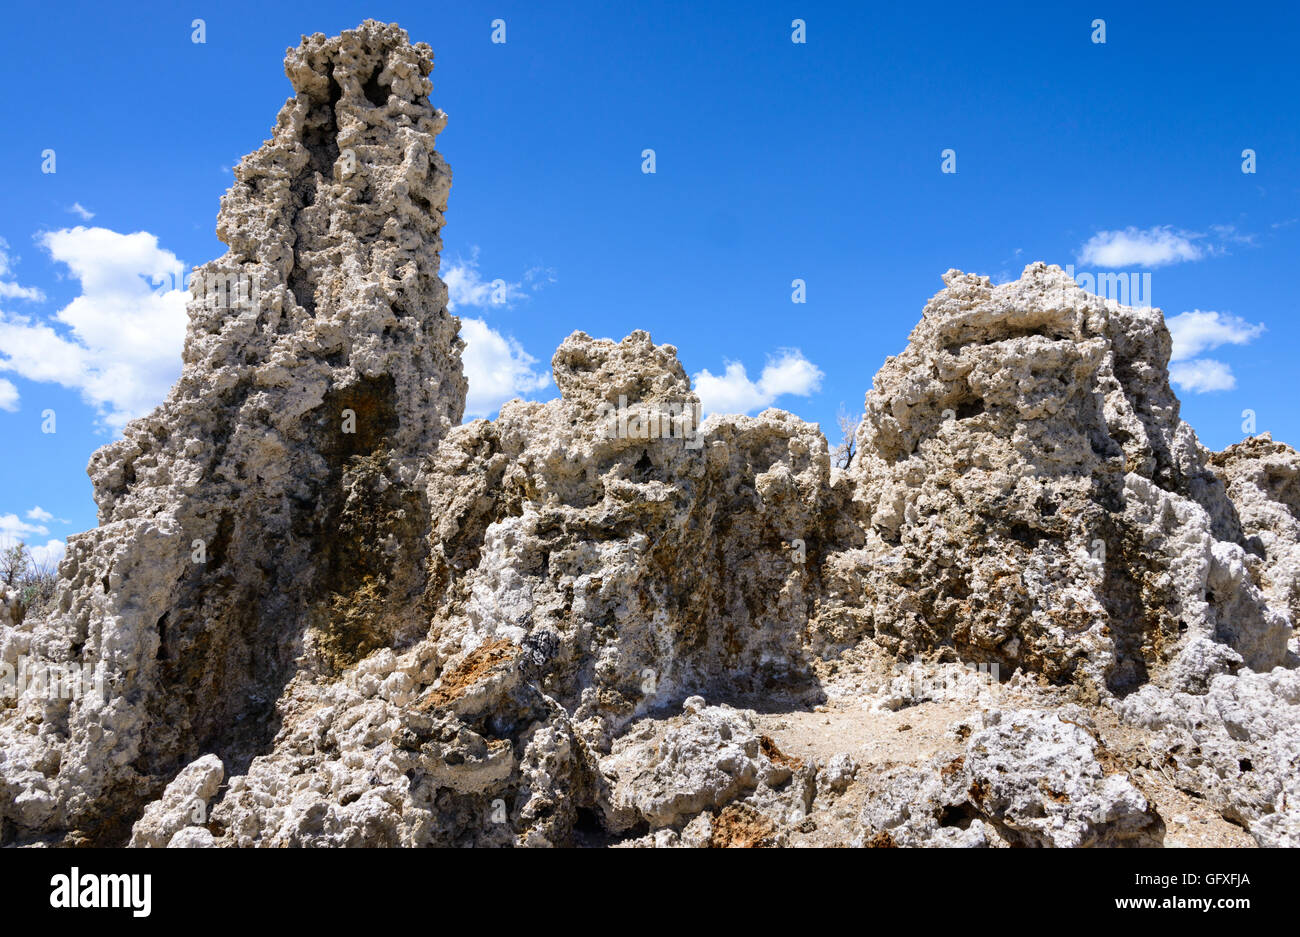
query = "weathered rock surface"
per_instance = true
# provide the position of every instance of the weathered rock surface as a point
(322, 613)
(10, 607)
(1028, 779)
(642, 570)
(563, 609)
(1034, 501)
(184, 804)
(715, 757)
(1237, 744)
(268, 517)
(1263, 481)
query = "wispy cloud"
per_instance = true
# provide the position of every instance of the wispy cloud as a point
(1200, 331)
(1160, 245)
(1228, 234)
(466, 286)
(119, 342)
(15, 528)
(8, 396)
(734, 392)
(539, 276)
(85, 214)
(1131, 247)
(10, 289)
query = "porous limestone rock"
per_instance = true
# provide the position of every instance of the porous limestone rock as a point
(403, 753)
(193, 837)
(184, 804)
(1237, 744)
(11, 609)
(268, 519)
(1263, 481)
(666, 780)
(1033, 499)
(1028, 778)
(638, 569)
(583, 572)
(838, 773)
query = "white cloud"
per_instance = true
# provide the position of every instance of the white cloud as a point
(467, 287)
(14, 528)
(496, 367)
(8, 396)
(119, 342)
(734, 392)
(48, 555)
(13, 290)
(84, 213)
(1197, 331)
(1153, 247)
(1202, 375)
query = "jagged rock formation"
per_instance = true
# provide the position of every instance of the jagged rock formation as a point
(323, 613)
(271, 508)
(183, 808)
(582, 573)
(1036, 502)
(11, 607)
(564, 528)
(1263, 480)
(663, 776)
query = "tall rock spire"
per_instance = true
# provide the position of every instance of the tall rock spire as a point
(266, 519)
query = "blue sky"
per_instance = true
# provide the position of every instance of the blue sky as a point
(774, 161)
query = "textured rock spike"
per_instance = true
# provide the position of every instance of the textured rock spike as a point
(272, 505)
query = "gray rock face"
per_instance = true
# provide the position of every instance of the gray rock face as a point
(1034, 501)
(332, 616)
(10, 607)
(635, 570)
(182, 808)
(271, 508)
(1263, 480)
(582, 573)
(705, 764)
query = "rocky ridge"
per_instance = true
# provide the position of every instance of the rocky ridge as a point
(318, 610)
